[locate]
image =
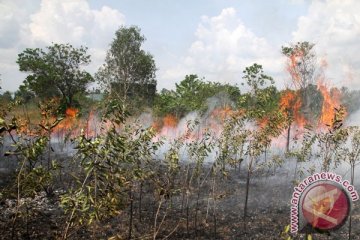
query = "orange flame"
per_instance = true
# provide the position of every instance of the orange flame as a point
(69, 124)
(263, 122)
(170, 121)
(292, 67)
(166, 126)
(156, 125)
(330, 102)
(290, 105)
(71, 112)
(222, 113)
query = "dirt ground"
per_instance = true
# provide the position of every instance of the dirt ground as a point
(268, 214)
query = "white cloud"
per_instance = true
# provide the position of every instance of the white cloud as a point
(222, 48)
(72, 21)
(334, 26)
(26, 24)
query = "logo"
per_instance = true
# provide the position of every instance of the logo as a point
(325, 206)
(321, 201)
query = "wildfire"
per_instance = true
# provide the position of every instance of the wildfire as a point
(71, 112)
(292, 67)
(290, 105)
(170, 127)
(330, 102)
(156, 125)
(170, 121)
(263, 122)
(166, 126)
(222, 113)
(69, 125)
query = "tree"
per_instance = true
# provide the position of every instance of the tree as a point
(56, 72)
(263, 97)
(24, 93)
(192, 94)
(301, 63)
(6, 97)
(260, 106)
(129, 72)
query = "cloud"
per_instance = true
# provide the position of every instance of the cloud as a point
(26, 24)
(12, 15)
(334, 26)
(222, 48)
(72, 21)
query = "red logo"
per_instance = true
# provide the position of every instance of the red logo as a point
(325, 206)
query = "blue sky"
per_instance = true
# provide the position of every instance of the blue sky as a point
(215, 39)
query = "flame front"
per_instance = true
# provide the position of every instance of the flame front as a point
(71, 112)
(331, 101)
(290, 105)
(292, 67)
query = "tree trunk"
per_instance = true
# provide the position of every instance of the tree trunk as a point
(131, 215)
(247, 191)
(288, 138)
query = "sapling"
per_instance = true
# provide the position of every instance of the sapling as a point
(352, 154)
(258, 140)
(332, 140)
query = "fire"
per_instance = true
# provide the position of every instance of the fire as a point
(170, 121)
(167, 126)
(330, 102)
(263, 122)
(71, 112)
(170, 127)
(69, 124)
(156, 125)
(222, 113)
(292, 67)
(290, 105)
(91, 124)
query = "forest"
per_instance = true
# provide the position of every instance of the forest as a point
(110, 156)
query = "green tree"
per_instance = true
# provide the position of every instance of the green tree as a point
(24, 93)
(56, 72)
(263, 97)
(6, 97)
(191, 94)
(166, 102)
(129, 72)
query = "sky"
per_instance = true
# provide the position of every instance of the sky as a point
(215, 39)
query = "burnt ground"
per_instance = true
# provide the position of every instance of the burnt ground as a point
(268, 214)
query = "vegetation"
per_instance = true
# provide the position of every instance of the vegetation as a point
(129, 72)
(55, 73)
(118, 178)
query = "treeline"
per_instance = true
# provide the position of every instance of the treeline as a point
(129, 75)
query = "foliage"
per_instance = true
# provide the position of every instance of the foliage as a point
(55, 72)
(111, 164)
(129, 72)
(301, 63)
(262, 99)
(350, 99)
(192, 94)
(113, 169)
(28, 146)
(332, 141)
(24, 94)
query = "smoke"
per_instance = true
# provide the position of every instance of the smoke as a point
(353, 119)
